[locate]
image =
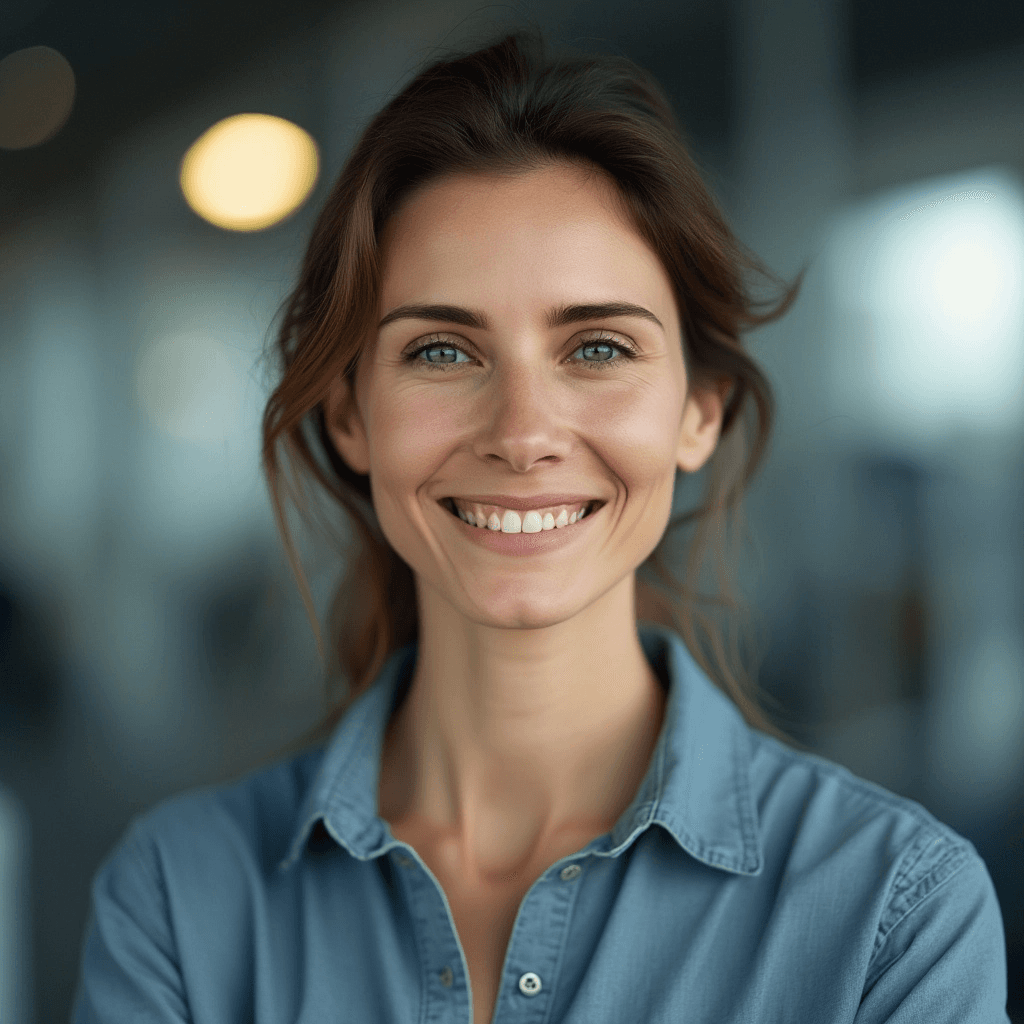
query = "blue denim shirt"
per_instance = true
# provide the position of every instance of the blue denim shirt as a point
(745, 882)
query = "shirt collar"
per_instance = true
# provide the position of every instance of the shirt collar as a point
(697, 786)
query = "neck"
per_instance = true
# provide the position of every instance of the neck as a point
(509, 736)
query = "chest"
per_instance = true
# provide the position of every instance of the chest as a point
(484, 924)
(484, 912)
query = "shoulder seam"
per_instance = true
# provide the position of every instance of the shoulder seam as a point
(907, 896)
(854, 783)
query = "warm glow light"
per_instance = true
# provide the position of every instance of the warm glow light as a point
(249, 171)
(37, 92)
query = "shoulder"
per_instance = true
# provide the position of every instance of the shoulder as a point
(180, 895)
(910, 899)
(822, 805)
(250, 819)
(817, 816)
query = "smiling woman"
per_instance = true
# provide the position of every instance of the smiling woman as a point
(515, 330)
(549, 130)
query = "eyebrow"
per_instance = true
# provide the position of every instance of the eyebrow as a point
(559, 316)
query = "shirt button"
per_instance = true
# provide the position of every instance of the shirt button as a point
(403, 861)
(570, 872)
(446, 977)
(529, 984)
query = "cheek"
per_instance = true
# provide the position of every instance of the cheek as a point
(410, 432)
(638, 432)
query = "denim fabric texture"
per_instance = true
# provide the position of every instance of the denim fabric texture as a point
(746, 882)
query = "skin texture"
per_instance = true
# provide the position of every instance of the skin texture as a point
(532, 713)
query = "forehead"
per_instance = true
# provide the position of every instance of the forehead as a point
(562, 225)
(556, 189)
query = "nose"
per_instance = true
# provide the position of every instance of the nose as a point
(525, 418)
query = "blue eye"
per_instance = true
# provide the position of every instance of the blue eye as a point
(451, 351)
(604, 344)
(436, 364)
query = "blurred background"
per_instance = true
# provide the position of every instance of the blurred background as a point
(151, 636)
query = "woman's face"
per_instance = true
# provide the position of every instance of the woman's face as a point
(517, 406)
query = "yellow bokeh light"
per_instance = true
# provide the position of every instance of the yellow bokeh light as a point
(37, 92)
(249, 171)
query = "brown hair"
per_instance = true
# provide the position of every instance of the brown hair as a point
(508, 107)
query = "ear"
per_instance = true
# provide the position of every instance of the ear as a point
(345, 425)
(702, 421)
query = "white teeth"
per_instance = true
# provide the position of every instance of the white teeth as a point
(514, 522)
(532, 523)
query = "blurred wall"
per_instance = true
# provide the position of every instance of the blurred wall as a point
(152, 637)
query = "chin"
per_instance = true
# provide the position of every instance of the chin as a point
(518, 614)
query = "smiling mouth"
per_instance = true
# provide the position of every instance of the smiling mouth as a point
(519, 520)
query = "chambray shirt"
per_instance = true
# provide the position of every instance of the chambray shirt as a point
(746, 882)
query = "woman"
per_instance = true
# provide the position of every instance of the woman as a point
(515, 328)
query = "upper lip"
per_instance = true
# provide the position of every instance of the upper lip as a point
(533, 501)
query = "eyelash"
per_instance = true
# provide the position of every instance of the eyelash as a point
(627, 351)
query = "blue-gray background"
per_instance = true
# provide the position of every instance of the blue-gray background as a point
(151, 638)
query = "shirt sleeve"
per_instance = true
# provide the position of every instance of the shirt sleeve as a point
(940, 952)
(129, 968)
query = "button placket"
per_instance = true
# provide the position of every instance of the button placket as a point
(446, 992)
(534, 914)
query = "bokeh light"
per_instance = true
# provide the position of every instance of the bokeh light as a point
(249, 171)
(37, 92)
(930, 278)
